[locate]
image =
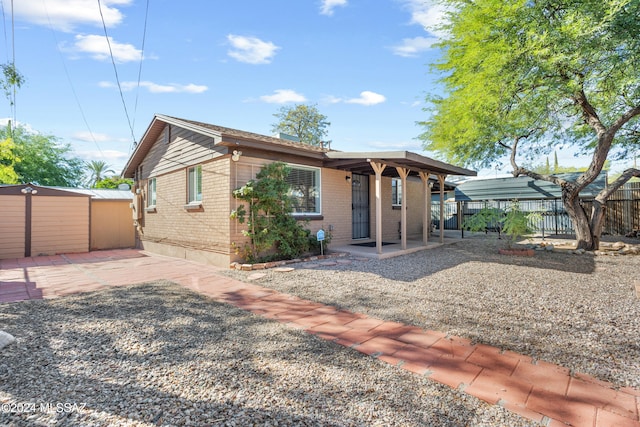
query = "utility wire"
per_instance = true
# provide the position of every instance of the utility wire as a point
(115, 70)
(73, 91)
(4, 27)
(144, 37)
(13, 63)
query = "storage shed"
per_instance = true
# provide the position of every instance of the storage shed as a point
(40, 220)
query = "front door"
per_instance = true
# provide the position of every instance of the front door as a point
(360, 206)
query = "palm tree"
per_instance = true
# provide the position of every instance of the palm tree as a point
(97, 170)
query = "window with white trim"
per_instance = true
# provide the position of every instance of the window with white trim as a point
(396, 192)
(304, 189)
(151, 192)
(194, 184)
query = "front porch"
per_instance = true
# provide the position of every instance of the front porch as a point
(394, 248)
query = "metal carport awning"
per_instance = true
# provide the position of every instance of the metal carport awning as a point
(398, 164)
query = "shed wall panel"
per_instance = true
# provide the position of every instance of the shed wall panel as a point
(12, 226)
(111, 225)
(59, 225)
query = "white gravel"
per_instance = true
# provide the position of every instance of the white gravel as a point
(158, 354)
(578, 311)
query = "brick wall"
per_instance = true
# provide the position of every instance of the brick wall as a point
(205, 229)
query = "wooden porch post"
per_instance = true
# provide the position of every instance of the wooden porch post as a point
(426, 209)
(403, 172)
(441, 179)
(378, 168)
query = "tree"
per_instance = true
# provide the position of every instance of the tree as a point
(11, 80)
(304, 122)
(113, 182)
(43, 160)
(273, 231)
(523, 77)
(8, 160)
(97, 170)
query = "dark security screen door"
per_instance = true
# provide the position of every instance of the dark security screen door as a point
(360, 206)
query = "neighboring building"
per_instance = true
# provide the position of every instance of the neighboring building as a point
(185, 173)
(523, 188)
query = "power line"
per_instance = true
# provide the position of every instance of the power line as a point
(73, 91)
(115, 70)
(144, 37)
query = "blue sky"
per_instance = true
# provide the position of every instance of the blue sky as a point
(364, 63)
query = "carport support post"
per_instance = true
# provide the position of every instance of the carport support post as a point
(403, 216)
(441, 179)
(378, 168)
(426, 211)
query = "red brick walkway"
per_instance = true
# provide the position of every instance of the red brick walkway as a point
(537, 390)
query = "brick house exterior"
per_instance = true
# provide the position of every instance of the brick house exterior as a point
(185, 173)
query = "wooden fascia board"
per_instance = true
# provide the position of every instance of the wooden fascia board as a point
(234, 142)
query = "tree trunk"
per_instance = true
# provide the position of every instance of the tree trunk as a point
(598, 211)
(581, 223)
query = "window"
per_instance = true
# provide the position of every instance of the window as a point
(151, 192)
(305, 189)
(194, 184)
(396, 192)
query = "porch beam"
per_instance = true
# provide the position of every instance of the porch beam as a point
(441, 179)
(378, 168)
(403, 173)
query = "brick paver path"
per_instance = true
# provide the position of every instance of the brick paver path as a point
(537, 390)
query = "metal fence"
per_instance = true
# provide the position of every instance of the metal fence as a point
(622, 212)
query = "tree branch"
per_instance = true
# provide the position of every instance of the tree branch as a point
(604, 195)
(589, 113)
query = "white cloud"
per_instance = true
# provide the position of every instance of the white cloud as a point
(112, 157)
(395, 146)
(158, 88)
(251, 50)
(90, 137)
(328, 5)
(283, 96)
(330, 99)
(428, 14)
(413, 47)
(98, 47)
(367, 98)
(65, 15)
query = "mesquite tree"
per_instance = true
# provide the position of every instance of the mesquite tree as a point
(524, 77)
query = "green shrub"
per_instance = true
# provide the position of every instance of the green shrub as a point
(273, 232)
(513, 222)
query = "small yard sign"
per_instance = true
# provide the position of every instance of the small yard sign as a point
(320, 237)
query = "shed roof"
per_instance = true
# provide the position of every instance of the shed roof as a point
(522, 188)
(16, 190)
(94, 193)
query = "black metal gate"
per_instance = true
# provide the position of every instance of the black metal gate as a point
(360, 206)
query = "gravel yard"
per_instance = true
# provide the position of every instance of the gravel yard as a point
(158, 354)
(578, 311)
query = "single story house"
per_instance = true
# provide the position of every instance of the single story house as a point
(185, 172)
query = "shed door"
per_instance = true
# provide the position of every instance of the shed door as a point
(360, 206)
